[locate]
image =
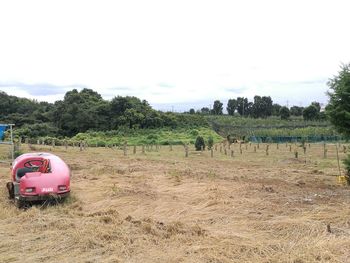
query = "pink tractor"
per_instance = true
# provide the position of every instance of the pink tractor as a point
(38, 177)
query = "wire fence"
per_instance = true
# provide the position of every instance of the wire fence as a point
(283, 139)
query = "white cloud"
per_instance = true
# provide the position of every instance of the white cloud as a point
(201, 49)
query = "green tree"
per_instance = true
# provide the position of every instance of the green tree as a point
(217, 107)
(338, 109)
(262, 107)
(205, 110)
(192, 111)
(231, 106)
(296, 111)
(199, 144)
(79, 112)
(317, 105)
(133, 117)
(243, 106)
(276, 109)
(268, 105)
(284, 113)
(310, 113)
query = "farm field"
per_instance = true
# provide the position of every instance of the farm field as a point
(163, 207)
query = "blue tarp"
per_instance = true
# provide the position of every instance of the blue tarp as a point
(2, 130)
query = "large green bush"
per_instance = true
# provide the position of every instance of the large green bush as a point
(199, 144)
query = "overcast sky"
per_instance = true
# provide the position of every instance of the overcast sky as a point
(174, 53)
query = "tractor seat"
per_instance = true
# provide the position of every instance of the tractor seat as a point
(22, 171)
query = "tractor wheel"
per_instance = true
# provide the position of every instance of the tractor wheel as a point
(11, 190)
(19, 203)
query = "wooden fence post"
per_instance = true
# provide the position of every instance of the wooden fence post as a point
(186, 150)
(81, 146)
(254, 148)
(211, 153)
(125, 150)
(134, 151)
(338, 160)
(143, 149)
(232, 153)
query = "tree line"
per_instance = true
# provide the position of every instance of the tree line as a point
(262, 107)
(85, 110)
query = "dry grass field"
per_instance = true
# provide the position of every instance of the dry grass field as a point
(163, 207)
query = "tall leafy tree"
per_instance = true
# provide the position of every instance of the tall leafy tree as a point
(284, 113)
(296, 111)
(78, 112)
(119, 106)
(317, 105)
(133, 117)
(310, 113)
(231, 106)
(268, 105)
(276, 109)
(217, 107)
(243, 106)
(205, 110)
(262, 107)
(338, 108)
